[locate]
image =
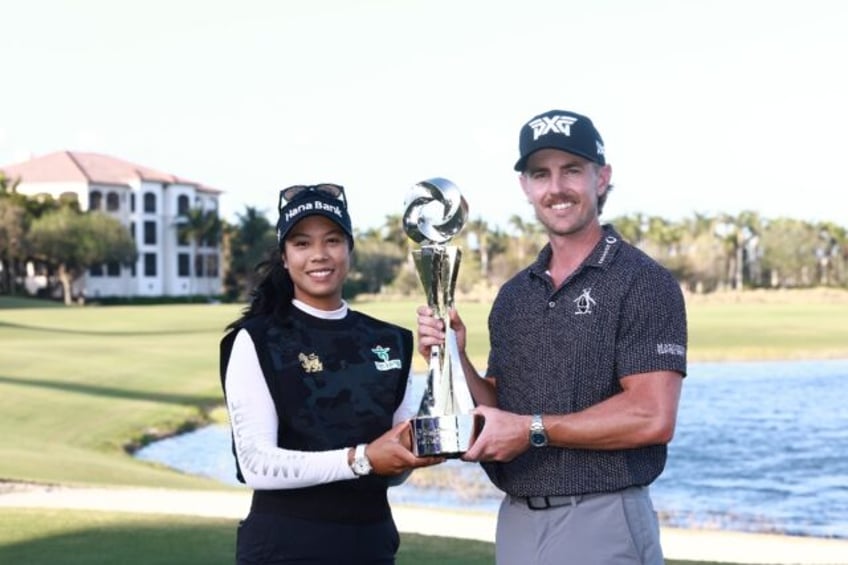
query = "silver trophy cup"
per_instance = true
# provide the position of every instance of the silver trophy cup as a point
(435, 213)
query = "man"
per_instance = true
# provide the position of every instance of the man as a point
(588, 352)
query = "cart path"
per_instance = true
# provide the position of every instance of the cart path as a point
(694, 545)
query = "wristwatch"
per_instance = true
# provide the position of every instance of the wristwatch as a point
(538, 437)
(361, 466)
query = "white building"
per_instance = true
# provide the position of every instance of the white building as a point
(150, 203)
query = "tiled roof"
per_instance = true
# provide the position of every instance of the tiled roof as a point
(65, 166)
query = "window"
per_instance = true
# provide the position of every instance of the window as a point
(149, 202)
(183, 262)
(113, 269)
(182, 235)
(198, 265)
(96, 270)
(95, 199)
(182, 205)
(132, 230)
(149, 264)
(212, 265)
(112, 202)
(209, 241)
(132, 202)
(150, 233)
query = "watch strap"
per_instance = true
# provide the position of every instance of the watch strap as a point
(361, 466)
(538, 434)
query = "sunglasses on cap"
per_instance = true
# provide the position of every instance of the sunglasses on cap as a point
(292, 192)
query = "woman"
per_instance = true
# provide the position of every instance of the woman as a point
(318, 399)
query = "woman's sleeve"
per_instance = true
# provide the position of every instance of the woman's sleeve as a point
(410, 404)
(254, 421)
(408, 409)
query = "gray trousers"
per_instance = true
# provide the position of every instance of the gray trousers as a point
(619, 528)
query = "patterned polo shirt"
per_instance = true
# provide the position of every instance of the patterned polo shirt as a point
(561, 350)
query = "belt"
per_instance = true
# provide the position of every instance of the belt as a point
(545, 502)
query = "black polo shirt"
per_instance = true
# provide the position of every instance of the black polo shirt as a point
(561, 350)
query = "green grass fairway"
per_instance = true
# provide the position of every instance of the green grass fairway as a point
(749, 331)
(70, 537)
(77, 385)
(805, 325)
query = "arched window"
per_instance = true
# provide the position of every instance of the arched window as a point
(112, 201)
(149, 202)
(95, 198)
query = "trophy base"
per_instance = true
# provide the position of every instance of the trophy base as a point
(443, 436)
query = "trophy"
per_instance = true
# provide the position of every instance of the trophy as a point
(435, 213)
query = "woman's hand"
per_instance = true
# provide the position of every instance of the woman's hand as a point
(390, 454)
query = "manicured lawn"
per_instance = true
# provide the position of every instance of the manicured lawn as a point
(42, 537)
(78, 385)
(806, 326)
(805, 330)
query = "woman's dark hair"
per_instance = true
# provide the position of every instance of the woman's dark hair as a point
(273, 294)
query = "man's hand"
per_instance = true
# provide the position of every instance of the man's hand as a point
(504, 436)
(431, 330)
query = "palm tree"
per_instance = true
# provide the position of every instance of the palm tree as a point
(202, 228)
(831, 253)
(394, 232)
(740, 235)
(525, 233)
(480, 229)
(250, 241)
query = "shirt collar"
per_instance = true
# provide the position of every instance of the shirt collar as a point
(601, 256)
(336, 314)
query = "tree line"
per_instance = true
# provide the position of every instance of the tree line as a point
(706, 253)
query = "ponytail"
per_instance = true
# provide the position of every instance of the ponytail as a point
(273, 294)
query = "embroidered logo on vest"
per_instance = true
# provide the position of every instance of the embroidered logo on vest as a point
(310, 364)
(584, 302)
(384, 363)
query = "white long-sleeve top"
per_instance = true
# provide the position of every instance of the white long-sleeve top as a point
(254, 423)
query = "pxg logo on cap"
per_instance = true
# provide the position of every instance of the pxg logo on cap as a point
(563, 130)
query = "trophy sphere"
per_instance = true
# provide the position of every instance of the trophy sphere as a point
(435, 211)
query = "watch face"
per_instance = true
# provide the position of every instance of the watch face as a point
(538, 439)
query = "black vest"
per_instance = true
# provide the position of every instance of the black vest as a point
(335, 384)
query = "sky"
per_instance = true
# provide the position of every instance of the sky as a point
(705, 106)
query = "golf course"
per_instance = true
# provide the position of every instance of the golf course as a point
(82, 387)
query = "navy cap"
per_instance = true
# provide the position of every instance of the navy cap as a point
(313, 203)
(563, 130)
